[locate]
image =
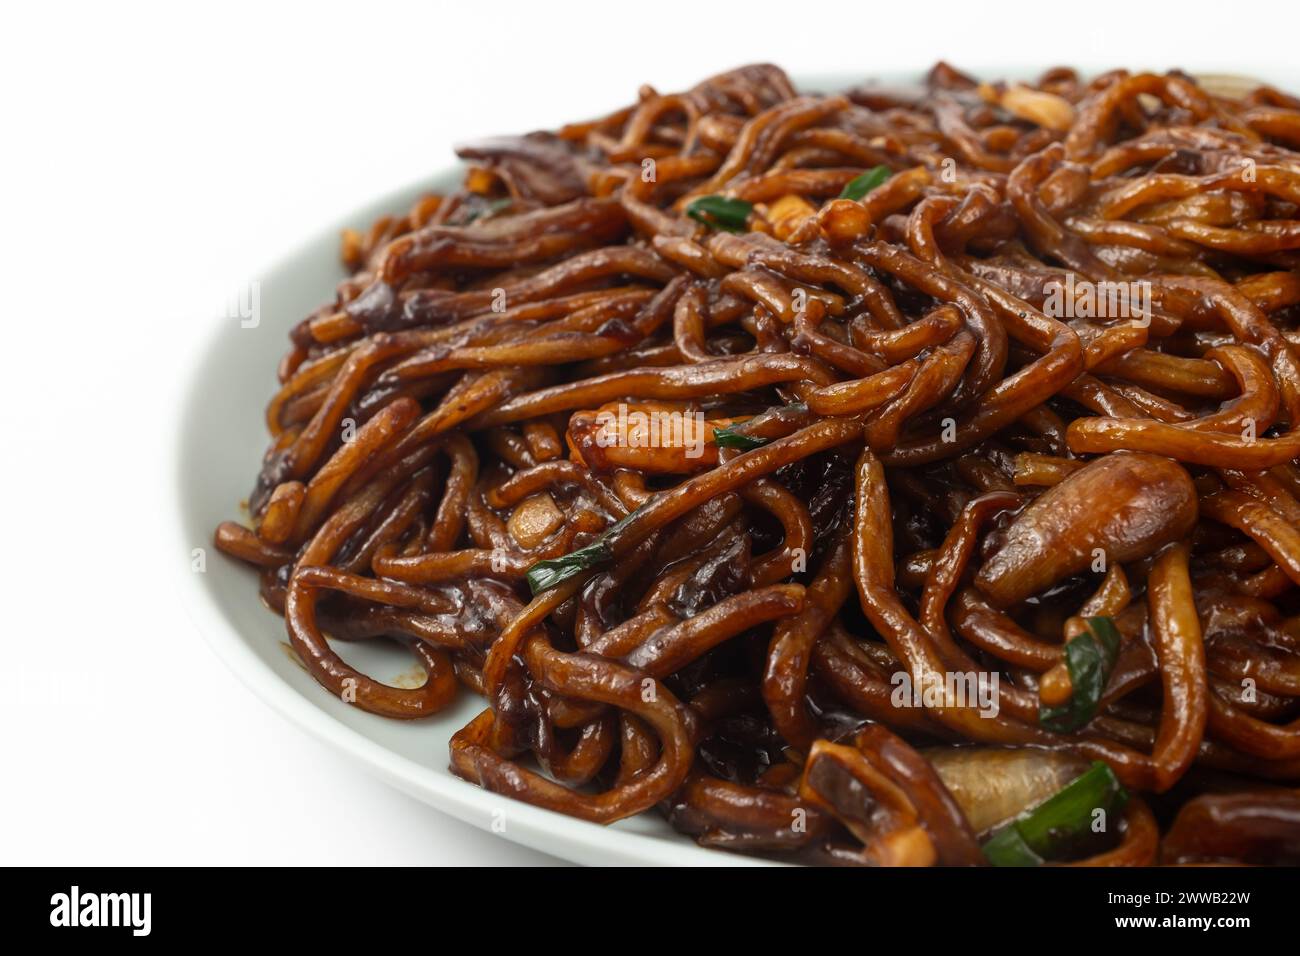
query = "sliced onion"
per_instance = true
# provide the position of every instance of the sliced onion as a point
(1232, 86)
(992, 785)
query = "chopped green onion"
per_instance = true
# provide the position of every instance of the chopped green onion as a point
(1008, 848)
(730, 438)
(545, 575)
(859, 186)
(488, 209)
(720, 212)
(1062, 824)
(1089, 658)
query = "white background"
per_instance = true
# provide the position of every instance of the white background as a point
(152, 158)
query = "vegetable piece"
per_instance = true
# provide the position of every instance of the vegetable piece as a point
(730, 438)
(859, 186)
(535, 518)
(994, 785)
(1121, 506)
(1037, 106)
(488, 209)
(1089, 658)
(787, 214)
(661, 438)
(1060, 825)
(720, 212)
(840, 781)
(545, 575)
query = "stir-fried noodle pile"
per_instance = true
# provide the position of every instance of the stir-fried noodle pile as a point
(903, 476)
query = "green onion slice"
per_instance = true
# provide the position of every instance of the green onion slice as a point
(859, 186)
(1089, 658)
(730, 438)
(1062, 824)
(720, 212)
(545, 575)
(488, 209)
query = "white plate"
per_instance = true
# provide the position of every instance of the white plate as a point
(220, 440)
